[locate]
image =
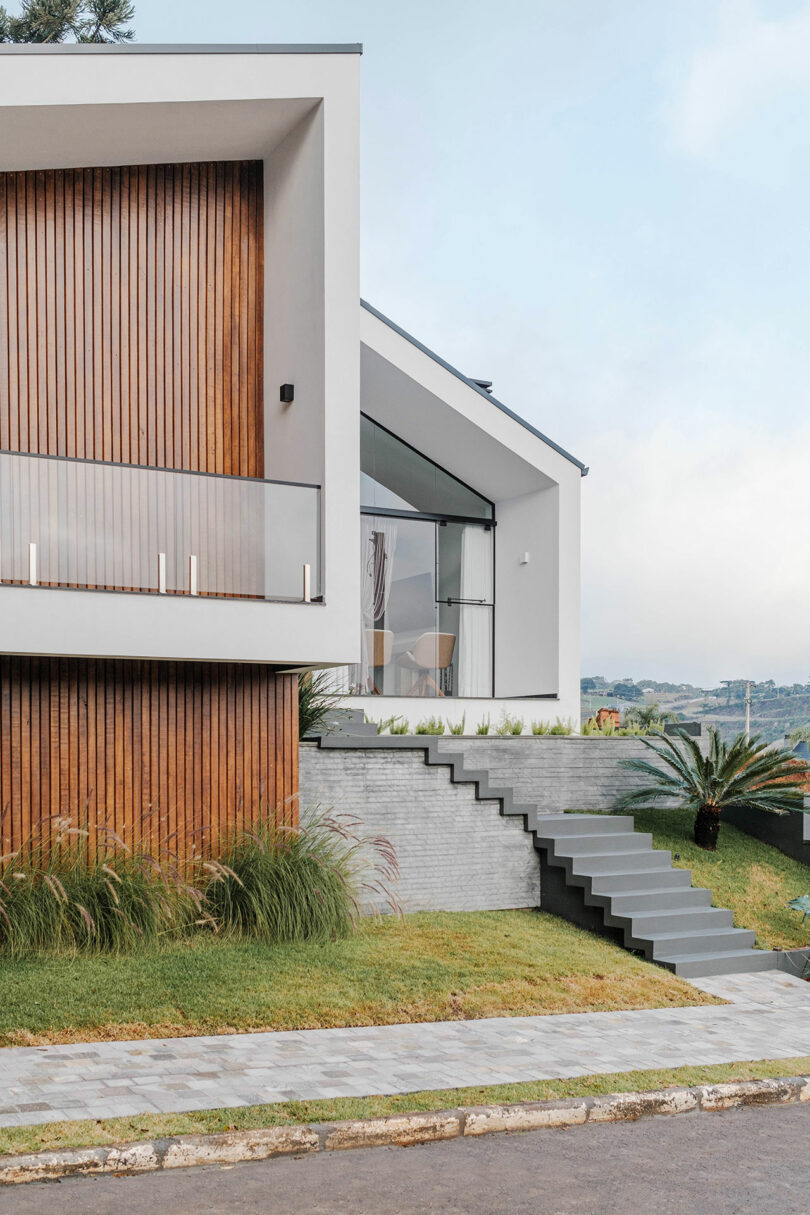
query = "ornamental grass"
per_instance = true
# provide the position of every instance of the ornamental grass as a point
(281, 884)
(77, 889)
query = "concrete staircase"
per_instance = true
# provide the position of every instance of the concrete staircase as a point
(349, 723)
(653, 908)
(596, 869)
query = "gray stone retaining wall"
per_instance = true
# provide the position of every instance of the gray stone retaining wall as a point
(555, 773)
(455, 853)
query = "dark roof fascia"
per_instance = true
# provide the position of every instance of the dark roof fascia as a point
(180, 48)
(471, 384)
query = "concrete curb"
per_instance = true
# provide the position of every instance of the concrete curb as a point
(399, 1130)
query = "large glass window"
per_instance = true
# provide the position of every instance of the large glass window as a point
(395, 477)
(427, 577)
(427, 608)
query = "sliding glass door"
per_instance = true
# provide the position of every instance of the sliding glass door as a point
(427, 608)
(466, 596)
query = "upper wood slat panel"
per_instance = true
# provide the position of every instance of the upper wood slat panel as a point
(131, 315)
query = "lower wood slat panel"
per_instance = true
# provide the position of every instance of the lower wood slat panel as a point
(165, 754)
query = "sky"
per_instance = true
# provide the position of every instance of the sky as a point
(602, 206)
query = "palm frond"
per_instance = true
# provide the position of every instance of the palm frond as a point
(742, 772)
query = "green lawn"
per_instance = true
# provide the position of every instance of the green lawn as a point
(421, 968)
(104, 1131)
(752, 879)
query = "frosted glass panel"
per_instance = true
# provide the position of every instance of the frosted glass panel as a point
(76, 523)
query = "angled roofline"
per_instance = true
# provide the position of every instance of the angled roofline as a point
(472, 384)
(181, 48)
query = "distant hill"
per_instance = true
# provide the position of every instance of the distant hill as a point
(775, 709)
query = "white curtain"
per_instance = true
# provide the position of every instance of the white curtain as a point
(474, 661)
(378, 539)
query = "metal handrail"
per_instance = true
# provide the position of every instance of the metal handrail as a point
(186, 472)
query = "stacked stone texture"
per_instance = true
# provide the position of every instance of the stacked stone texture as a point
(455, 853)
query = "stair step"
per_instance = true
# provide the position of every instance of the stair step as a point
(622, 862)
(617, 869)
(681, 898)
(554, 825)
(624, 882)
(592, 845)
(676, 920)
(723, 962)
(702, 940)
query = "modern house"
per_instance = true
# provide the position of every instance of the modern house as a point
(217, 468)
(469, 592)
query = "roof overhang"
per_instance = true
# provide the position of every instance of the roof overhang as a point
(433, 406)
(151, 105)
(181, 48)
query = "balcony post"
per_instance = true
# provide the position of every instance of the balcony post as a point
(192, 575)
(307, 596)
(32, 564)
(161, 573)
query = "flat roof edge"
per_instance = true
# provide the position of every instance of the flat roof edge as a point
(471, 384)
(181, 48)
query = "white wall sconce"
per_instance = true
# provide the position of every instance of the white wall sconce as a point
(524, 560)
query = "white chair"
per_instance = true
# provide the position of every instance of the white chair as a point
(432, 652)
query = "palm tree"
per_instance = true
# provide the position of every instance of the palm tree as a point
(650, 717)
(739, 773)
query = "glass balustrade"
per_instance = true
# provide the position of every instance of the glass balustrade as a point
(115, 527)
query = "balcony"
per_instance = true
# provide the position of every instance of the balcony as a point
(81, 524)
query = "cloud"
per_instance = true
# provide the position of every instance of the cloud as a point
(696, 561)
(751, 63)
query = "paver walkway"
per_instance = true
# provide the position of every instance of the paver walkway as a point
(769, 1019)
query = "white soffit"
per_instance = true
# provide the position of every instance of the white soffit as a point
(406, 391)
(80, 136)
(446, 434)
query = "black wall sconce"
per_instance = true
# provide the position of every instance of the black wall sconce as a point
(287, 394)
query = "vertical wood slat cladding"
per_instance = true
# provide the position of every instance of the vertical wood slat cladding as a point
(131, 325)
(161, 752)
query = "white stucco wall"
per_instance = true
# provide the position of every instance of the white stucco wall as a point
(536, 491)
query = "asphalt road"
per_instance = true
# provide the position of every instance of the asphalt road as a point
(754, 1160)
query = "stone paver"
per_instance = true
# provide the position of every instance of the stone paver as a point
(768, 1019)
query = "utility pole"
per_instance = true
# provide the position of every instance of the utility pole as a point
(729, 683)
